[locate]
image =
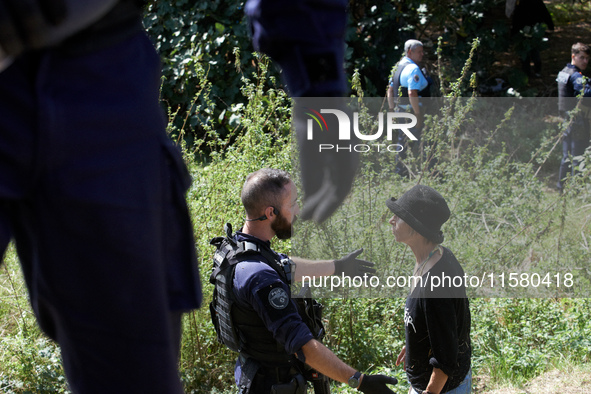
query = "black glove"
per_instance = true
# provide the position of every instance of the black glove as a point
(351, 266)
(327, 175)
(23, 23)
(376, 384)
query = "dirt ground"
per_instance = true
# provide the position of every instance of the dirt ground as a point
(572, 24)
(574, 380)
(558, 54)
(566, 33)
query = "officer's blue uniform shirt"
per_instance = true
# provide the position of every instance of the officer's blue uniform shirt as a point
(412, 77)
(258, 286)
(576, 79)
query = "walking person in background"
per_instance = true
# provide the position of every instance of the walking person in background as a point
(407, 85)
(572, 84)
(437, 354)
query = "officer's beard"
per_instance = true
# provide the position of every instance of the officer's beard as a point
(282, 228)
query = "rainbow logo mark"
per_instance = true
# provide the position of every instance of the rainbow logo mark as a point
(317, 117)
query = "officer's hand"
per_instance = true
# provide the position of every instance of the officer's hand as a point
(327, 174)
(23, 23)
(350, 265)
(320, 203)
(376, 384)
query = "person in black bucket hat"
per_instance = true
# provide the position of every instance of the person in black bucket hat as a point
(437, 354)
(424, 209)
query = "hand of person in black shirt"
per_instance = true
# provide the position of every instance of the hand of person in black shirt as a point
(401, 358)
(376, 384)
(350, 265)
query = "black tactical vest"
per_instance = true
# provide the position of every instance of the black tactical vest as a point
(401, 91)
(241, 329)
(566, 89)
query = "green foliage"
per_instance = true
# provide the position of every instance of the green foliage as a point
(375, 39)
(29, 362)
(35, 365)
(503, 218)
(193, 39)
(517, 339)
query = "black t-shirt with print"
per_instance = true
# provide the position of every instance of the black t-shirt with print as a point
(437, 322)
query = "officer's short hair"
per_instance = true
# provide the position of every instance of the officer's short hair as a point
(580, 47)
(263, 188)
(411, 45)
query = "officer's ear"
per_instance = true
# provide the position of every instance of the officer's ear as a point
(271, 211)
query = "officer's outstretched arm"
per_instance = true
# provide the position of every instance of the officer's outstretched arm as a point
(326, 362)
(312, 268)
(349, 265)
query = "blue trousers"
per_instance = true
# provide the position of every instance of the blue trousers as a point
(464, 388)
(92, 191)
(572, 146)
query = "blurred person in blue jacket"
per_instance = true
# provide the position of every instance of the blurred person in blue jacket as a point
(93, 192)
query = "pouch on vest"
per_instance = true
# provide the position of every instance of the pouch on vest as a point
(249, 368)
(221, 306)
(297, 385)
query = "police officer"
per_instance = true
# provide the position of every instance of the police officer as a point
(92, 191)
(407, 84)
(268, 328)
(572, 84)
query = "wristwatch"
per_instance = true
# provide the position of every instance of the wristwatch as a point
(354, 380)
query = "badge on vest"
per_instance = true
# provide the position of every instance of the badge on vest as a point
(562, 77)
(278, 298)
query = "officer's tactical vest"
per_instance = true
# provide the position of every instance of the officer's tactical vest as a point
(403, 91)
(241, 329)
(566, 89)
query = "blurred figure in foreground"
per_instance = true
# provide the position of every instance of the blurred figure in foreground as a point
(306, 39)
(93, 192)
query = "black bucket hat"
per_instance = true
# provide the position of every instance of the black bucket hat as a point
(423, 209)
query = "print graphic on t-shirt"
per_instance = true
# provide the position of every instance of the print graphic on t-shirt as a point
(408, 320)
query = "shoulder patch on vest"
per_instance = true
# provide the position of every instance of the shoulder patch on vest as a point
(562, 77)
(278, 298)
